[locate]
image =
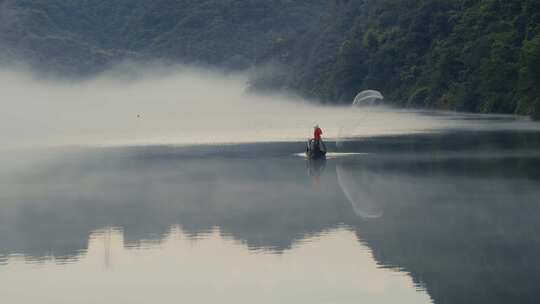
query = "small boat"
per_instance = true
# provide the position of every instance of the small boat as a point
(315, 149)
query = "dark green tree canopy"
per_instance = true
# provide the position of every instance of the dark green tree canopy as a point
(468, 55)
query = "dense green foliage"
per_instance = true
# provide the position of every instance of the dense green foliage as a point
(86, 35)
(467, 55)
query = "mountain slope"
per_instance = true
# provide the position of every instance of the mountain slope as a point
(467, 55)
(86, 35)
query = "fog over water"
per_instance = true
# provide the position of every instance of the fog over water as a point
(175, 105)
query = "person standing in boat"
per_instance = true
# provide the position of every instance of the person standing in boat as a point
(315, 147)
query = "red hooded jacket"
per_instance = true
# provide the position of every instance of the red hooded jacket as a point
(317, 134)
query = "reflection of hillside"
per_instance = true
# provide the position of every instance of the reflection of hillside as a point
(265, 203)
(467, 239)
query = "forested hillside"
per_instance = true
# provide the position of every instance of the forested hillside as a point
(82, 36)
(467, 55)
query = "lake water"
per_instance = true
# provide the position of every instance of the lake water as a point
(451, 216)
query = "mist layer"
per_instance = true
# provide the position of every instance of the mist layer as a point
(175, 106)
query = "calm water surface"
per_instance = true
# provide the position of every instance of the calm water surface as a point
(449, 217)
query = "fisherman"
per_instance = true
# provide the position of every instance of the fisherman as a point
(317, 133)
(315, 147)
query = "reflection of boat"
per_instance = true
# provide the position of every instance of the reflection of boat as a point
(315, 149)
(316, 166)
(360, 191)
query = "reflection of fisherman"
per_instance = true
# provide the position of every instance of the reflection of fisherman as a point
(315, 169)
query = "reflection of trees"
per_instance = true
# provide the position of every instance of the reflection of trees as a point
(467, 244)
(467, 229)
(263, 203)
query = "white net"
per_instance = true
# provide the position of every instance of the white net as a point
(368, 98)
